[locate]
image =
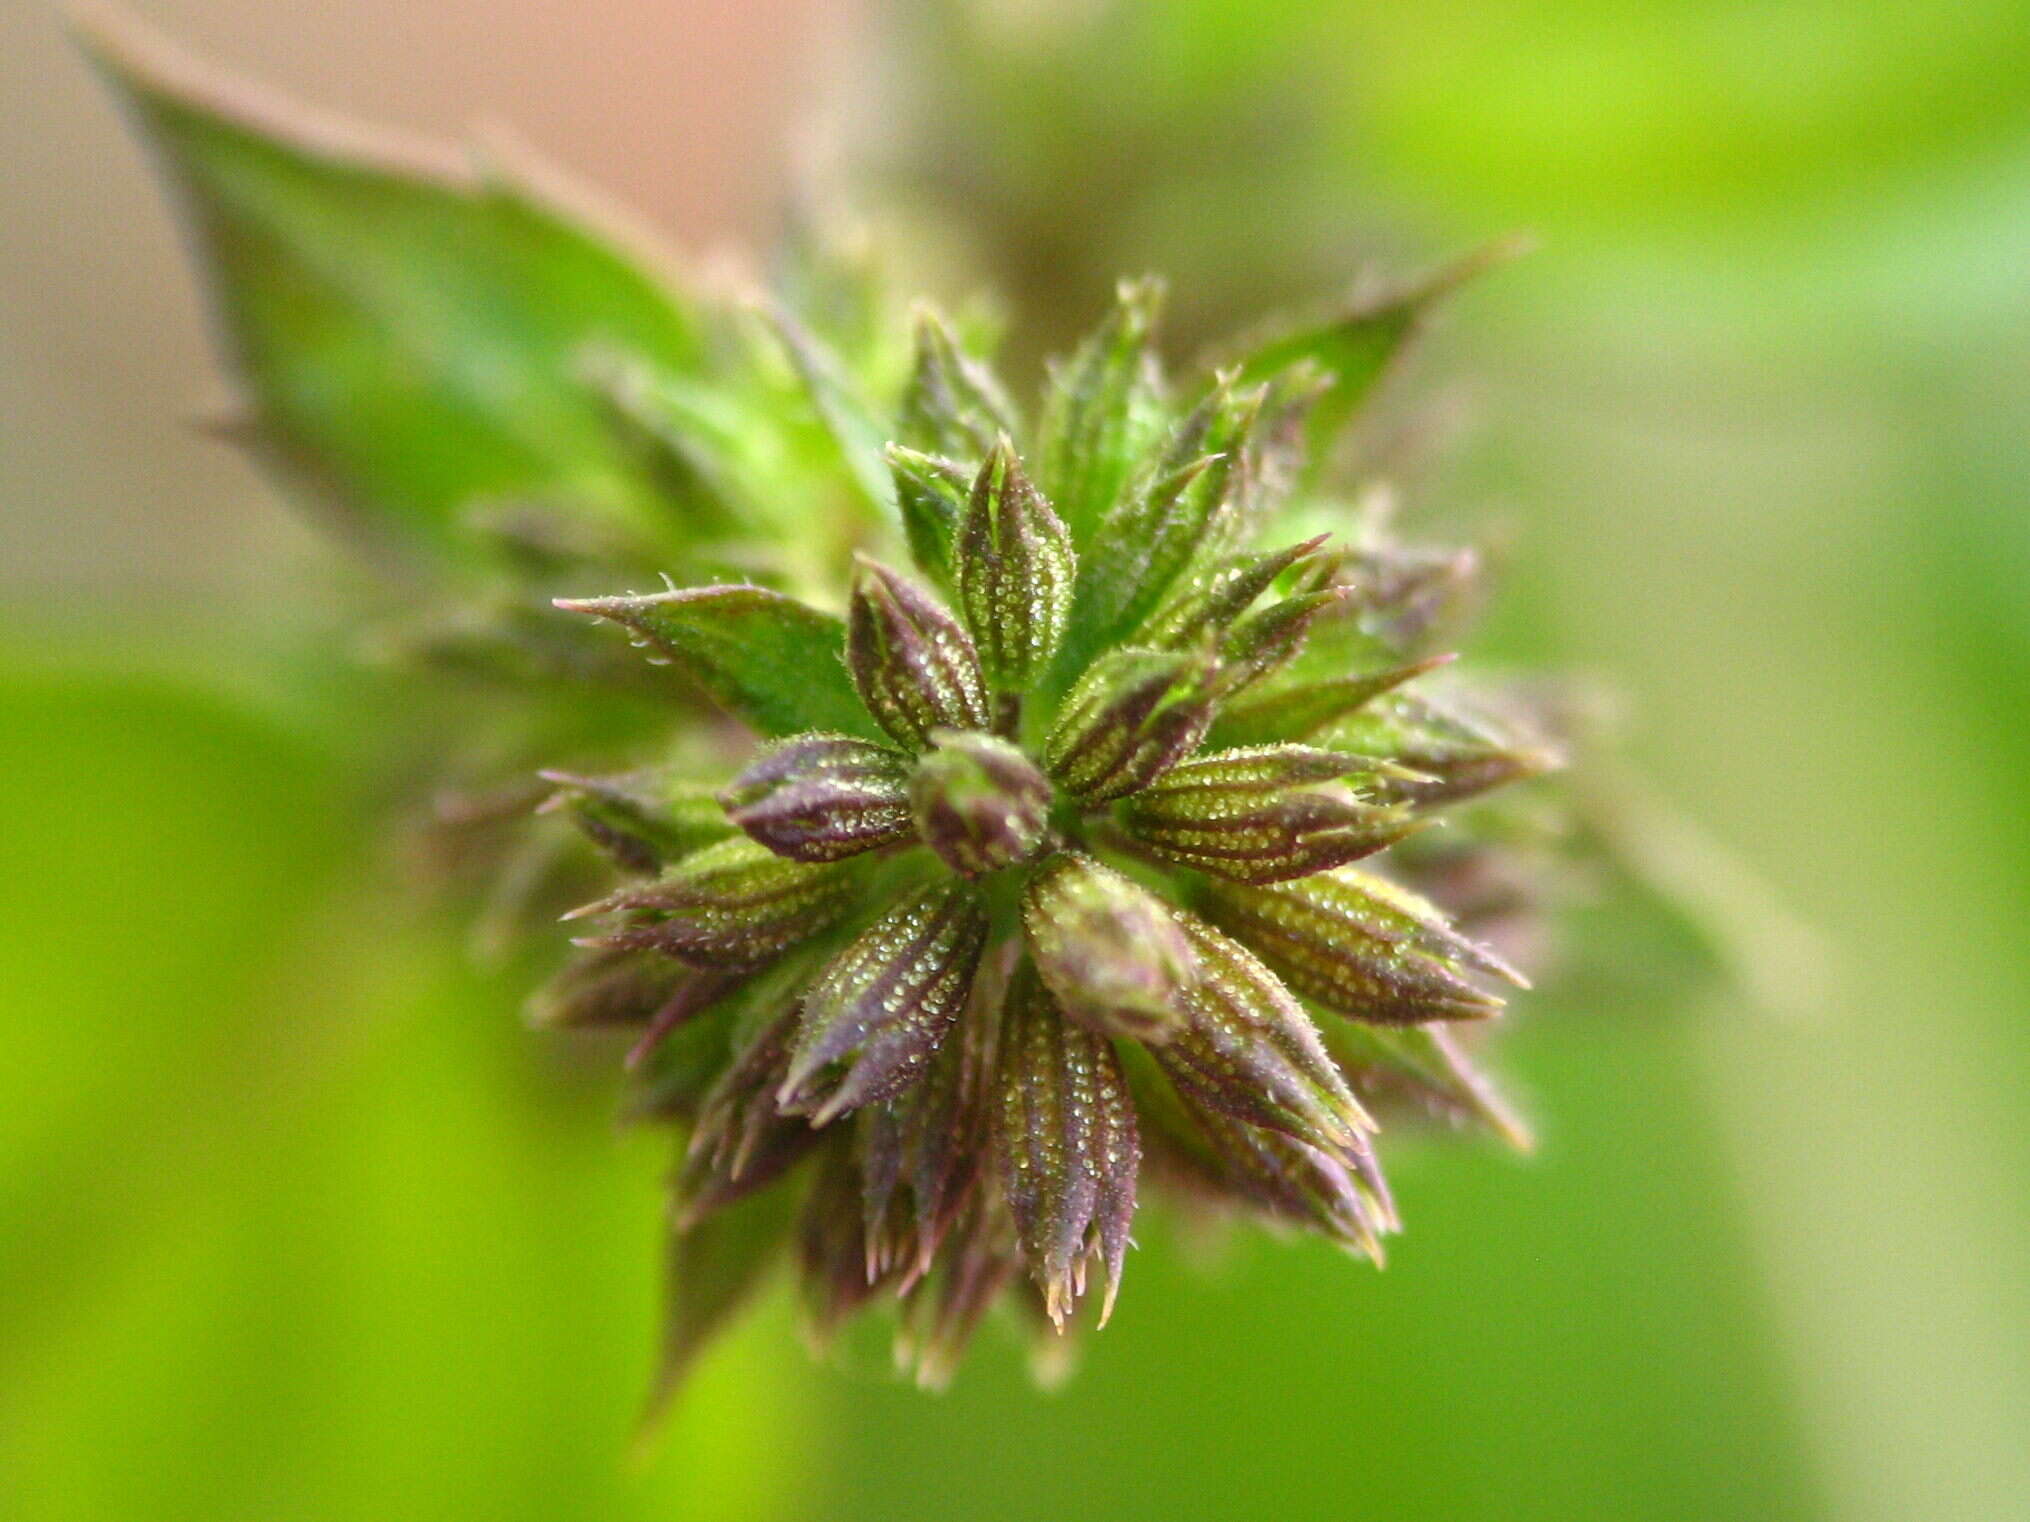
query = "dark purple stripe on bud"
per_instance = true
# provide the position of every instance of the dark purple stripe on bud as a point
(1065, 1134)
(877, 1013)
(1132, 716)
(1360, 946)
(823, 797)
(1264, 814)
(913, 665)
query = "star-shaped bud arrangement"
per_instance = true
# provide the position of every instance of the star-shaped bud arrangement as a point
(1051, 878)
(1014, 817)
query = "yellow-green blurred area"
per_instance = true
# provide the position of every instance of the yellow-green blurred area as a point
(298, 1221)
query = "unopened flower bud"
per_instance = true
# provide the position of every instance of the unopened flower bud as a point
(980, 803)
(822, 797)
(1114, 954)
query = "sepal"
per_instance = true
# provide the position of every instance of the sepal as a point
(1245, 1047)
(954, 405)
(1069, 1149)
(1014, 571)
(1360, 946)
(734, 904)
(1264, 814)
(1102, 412)
(1132, 716)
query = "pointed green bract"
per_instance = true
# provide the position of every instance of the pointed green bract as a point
(954, 406)
(1300, 711)
(406, 336)
(1204, 604)
(931, 494)
(1103, 412)
(710, 1271)
(1355, 347)
(768, 660)
(1457, 754)
(1014, 569)
(847, 415)
(1183, 510)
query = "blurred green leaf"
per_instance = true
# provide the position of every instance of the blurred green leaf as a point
(409, 336)
(710, 1272)
(860, 434)
(1354, 347)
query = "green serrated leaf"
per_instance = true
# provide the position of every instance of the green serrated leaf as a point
(767, 659)
(406, 334)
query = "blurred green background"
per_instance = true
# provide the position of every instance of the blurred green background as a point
(297, 1221)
